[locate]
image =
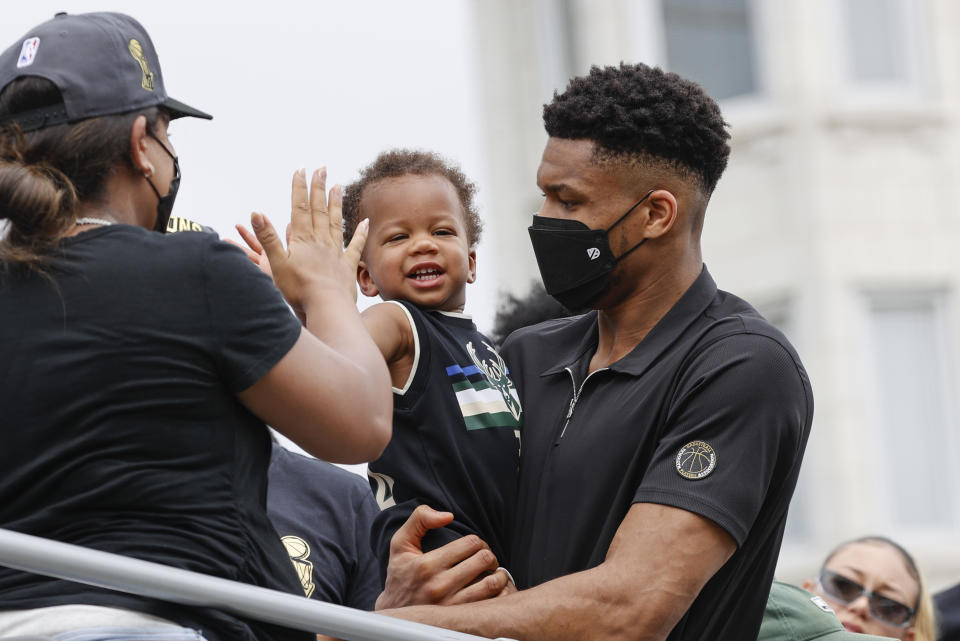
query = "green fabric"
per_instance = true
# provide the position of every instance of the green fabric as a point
(793, 614)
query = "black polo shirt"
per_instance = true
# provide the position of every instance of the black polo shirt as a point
(710, 413)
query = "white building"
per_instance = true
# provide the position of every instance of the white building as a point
(838, 218)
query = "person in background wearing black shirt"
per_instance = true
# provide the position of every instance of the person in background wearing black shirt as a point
(948, 607)
(515, 312)
(665, 426)
(138, 368)
(323, 515)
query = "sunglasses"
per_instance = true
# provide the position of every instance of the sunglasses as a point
(885, 609)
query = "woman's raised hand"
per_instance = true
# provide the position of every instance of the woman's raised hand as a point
(312, 394)
(313, 259)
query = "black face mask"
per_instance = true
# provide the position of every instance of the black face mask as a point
(575, 261)
(165, 203)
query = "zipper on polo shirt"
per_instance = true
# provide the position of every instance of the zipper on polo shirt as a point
(576, 397)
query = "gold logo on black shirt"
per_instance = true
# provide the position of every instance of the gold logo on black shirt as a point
(178, 223)
(136, 50)
(299, 551)
(696, 460)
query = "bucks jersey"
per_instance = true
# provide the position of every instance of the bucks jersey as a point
(456, 437)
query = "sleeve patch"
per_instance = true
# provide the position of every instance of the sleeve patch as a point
(696, 460)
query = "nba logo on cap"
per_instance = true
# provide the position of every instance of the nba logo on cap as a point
(28, 52)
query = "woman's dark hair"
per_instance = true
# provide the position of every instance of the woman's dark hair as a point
(401, 162)
(45, 174)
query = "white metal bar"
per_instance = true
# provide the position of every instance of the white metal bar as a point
(83, 565)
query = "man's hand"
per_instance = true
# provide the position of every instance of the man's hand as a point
(458, 572)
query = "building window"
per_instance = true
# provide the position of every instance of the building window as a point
(881, 43)
(712, 43)
(779, 312)
(910, 448)
(557, 44)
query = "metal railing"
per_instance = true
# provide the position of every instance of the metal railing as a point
(103, 569)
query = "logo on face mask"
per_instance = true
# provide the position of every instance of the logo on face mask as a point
(593, 253)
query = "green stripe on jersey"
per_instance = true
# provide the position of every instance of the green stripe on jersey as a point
(483, 421)
(459, 386)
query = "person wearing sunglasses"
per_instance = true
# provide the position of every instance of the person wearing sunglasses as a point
(875, 587)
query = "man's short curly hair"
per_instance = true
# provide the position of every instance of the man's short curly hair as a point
(401, 162)
(644, 115)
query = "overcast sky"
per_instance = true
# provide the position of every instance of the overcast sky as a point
(301, 84)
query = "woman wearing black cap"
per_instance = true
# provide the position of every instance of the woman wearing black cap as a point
(137, 370)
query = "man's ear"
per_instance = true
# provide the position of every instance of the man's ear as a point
(809, 585)
(365, 280)
(138, 146)
(472, 266)
(663, 210)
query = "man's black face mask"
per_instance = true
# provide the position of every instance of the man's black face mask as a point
(575, 261)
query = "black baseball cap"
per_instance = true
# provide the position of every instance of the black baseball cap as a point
(103, 64)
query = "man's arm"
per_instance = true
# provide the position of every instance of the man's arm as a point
(659, 560)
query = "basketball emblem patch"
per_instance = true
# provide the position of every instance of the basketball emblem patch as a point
(696, 460)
